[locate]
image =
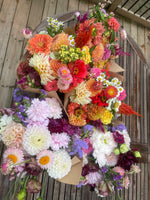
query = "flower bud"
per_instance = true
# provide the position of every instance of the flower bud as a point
(123, 148)
(21, 194)
(116, 151)
(137, 154)
(33, 186)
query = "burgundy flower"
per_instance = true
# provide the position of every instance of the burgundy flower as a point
(118, 137)
(32, 168)
(90, 167)
(126, 160)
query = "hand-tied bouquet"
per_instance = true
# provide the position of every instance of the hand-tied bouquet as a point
(84, 141)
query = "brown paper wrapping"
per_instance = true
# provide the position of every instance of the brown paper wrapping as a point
(116, 122)
(73, 177)
(114, 67)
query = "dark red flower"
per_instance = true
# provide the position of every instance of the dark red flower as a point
(118, 137)
(126, 160)
(32, 168)
(100, 99)
(90, 167)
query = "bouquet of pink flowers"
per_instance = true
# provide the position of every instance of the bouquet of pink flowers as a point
(49, 134)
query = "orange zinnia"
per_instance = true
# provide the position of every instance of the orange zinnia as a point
(55, 65)
(40, 43)
(58, 40)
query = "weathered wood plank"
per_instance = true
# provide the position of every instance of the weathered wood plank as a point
(15, 42)
(73, 5)
(83, 5)
(114, 5)
(50, 8)
(62, 6)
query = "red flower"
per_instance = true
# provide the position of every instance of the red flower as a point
(113, 24)
(51, 86)
(78, 71)
(111, 92)
(100, 99)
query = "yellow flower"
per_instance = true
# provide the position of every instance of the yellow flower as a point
(86, 57)
(106, 116)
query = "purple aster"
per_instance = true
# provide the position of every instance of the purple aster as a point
(77, 147)
(88, 128)
(16, 95)
(21, 108)
(104, 169)
(118, 137)
(120, 127)
(117, 177)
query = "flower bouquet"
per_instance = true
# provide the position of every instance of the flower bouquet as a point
(81, 142)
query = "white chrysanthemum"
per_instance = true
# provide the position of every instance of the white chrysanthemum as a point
(71, 40)
(5, 120)
(113, 104)
(61, 166)
(120, 89)
(126, 136)
(54, 107)
(103, 143)
(36, 139)
(80, 94)
(106, 82)
(40, 62)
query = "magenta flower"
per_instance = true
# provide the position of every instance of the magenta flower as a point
(27, 33)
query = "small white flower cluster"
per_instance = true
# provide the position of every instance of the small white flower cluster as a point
(71, 40)
(54, 23)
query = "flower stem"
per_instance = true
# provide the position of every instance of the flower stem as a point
(118, 195)
(43, 188)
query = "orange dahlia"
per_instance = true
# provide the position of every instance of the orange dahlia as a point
(40, 43)
(73, 120)
(77, 110)
(97, 55)
(110, 92)
(58, 40)
(94, 87)
(94, 112)
(55, 65)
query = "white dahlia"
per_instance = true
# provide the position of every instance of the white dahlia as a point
(61, 166)
(36, 139)
(54, 108)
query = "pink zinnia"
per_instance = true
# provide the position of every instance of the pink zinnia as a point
(122, 96)
(59, 140)
(119, 170)
(38, 111)
(113, 24)
(90, 148)
(111, 159)
(51, 86)
(63, 72)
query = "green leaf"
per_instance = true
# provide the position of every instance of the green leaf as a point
(112, 36)
(92, 49)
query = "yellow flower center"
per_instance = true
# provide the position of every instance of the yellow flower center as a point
(78, 112)
(44, 160)
(76, 71)
(105, 141)
(116, 105)
(40, 44)
(13, 158)
(111, 91)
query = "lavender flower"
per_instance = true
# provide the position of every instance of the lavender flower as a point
(104, 169)
(117, 177)
(77, 147)
(16, 95)
(120, 127)
(88, 128)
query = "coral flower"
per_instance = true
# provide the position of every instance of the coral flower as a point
(113, 24)
(55, 65)
(58, 40)
(40, 43)
(97, 55)
(110, 92)
(51, 86)
(94, 86)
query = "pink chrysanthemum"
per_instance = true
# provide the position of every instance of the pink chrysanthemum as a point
(93, 178)
(63, 72)
(111, 159)
(38, 111)
(45, 159)
(59, 140)
(55, 108)
(63, 84)
(119, 170)
(13, 154)
(12, 136)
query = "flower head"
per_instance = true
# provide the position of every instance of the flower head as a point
(40, 43)
(61, 165)
(51, 86)
(32, 168)
(45, 159)
(58, 40)
(111, 92)
(27, 33)
(54, 107)
(113, 24)
(33, 186)
(13, 154)
(36, 139)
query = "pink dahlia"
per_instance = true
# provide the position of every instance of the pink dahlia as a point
(45, 159)
(111, 159)
(38, 111)
(59, 140)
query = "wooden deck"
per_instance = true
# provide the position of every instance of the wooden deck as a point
(17, 14)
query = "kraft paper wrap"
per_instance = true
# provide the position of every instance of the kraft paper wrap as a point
(73, 177)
